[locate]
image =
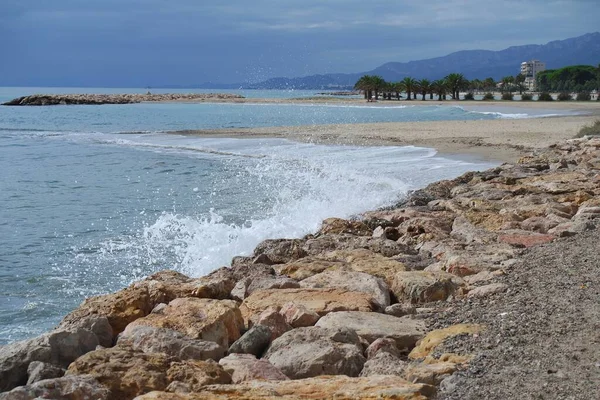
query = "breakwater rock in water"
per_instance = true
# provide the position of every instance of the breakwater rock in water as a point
(97, 99)
(345, 312)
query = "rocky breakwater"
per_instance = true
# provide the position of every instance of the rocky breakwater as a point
(342, 313)
(98, 99)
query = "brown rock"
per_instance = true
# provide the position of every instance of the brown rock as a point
(434, 338)
(306, 267)
(352, 281)
(321, 301)
(430, 374)
(363, 260)
(280, 251)
(487, 290)
(67, 387)
(526, 239)
(384, 363)
(385, 344)
(218, 321)
(127, 373)
(298, 316)
(423, 287)
(245, 367)
(338, 225)
(322, 387)
(276, 322)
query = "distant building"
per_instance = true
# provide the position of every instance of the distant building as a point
(530, 69)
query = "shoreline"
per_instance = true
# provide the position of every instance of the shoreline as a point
(502, 140)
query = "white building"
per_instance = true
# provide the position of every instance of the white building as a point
(530, 69)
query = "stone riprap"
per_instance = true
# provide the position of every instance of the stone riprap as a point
(98, 99)
(342, 313)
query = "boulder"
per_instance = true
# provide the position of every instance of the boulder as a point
(313, 351)
(384, 363)
(385, 247)
(363, 260)
(38, 371)
(338, 226)
(405, 331)
(217, 321)
(280, 251)
(430, 374)
(352, 281)
(255, 341)
(386, 345)
(401, 309)
(321, 301)
(525, 239)
(97, 324)
(298, 316)
(246, 287)
(427, 345)
(128, 373)
(150, 339)
(322, 387)
(68, 387)
(272, 319)
(245, 367)
(216, 285)
(59, 347)
(419, 287)
(307, 267)
(487, 290)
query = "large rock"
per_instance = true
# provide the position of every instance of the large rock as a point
(68, 388)
(216, 285)
(280, 251)
(488, 290)
(430, 374)
(276, 322)
(321, 301)
(363, 260)
(217, 321)
(371, 326)
(298, 316)
(322, 387)
(150, 339)
(427, 345)
(384, 363)
(245, 367)
(246, 287)
(313, 351)
(338, 225)
(423, 287)
(383, 246)
(255, 341)
(59, 348)
(127, 373)
(39, 371)
(352, 281)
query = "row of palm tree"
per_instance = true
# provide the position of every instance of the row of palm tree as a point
(373, 86)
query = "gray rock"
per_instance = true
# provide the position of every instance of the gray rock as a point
(59, 347)
(149, 339)
(245, 367)
(98, 324)
(71, 387)
(312, 351)
(487, 290)
(384, 363)
(353, 281)
(254, 341)
(385, 345)
(247, 286)
(280, 251)
(401, 309)
(38, 371)
(371, 326)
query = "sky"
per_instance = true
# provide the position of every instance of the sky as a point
(139, 43)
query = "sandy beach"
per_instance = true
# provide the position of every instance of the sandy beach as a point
(501, 140)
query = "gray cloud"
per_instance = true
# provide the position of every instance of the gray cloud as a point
(152, 42)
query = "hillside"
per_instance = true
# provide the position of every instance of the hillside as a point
(472, 63)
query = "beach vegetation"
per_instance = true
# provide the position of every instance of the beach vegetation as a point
(526, 97)
(507, 96)
(545, 96)
(520, 83)
(590, 130)
(488, 96)
(456, 83)
(564, 96)
(574, 78)
(423, 86)
(440, 88)
(489, 84)
(370, 85)
(507, 84)
(469, 96)
(583, 96)
(410, 86)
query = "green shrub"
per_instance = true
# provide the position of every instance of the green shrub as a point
(583, 96)
(545, 96)
(507, 96)
(564, 96)
(526, 97)
(488, 96)
(469, 96)
(590, 130)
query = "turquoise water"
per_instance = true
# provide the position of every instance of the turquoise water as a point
(95, 197)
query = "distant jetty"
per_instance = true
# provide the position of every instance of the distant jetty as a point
(97, 99)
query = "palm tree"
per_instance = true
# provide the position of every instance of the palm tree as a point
(439, 87)
(456, 82)
(424, 86)
(489, 84)
(520, 83)
(364, 85)
(377, 84)
(507, 82)
(397, 88)
(409, 86)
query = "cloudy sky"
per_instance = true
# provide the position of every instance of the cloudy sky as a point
(182, 42)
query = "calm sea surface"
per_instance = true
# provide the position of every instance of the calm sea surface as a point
(95, 197)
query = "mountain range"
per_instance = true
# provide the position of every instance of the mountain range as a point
(472, 64)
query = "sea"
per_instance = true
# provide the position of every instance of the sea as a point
(93, 198)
